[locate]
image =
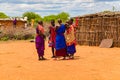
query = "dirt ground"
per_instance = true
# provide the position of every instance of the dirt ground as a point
(18, 61)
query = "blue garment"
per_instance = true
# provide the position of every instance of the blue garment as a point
(60, 39)
(71, 49)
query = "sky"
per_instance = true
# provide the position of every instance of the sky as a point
(47, 7)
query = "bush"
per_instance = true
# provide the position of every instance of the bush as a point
(17, 34)
(21, 33)
(5, 38)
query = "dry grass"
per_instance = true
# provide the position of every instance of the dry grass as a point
(17, 33)
(20, 33)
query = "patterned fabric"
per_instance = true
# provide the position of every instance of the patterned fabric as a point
(70, 40)
(52, 36)
(70, 36)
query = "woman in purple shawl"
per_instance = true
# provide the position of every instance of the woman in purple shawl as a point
(14, 23)
(39, 41)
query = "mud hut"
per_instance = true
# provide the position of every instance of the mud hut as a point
(8, 22)
(93, 28)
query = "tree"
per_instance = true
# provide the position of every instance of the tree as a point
(32, 15)
(3, 15)
(49, 18)
(113, 8)
(63, 16)
(106, 11)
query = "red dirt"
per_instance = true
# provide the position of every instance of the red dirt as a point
(18, 61)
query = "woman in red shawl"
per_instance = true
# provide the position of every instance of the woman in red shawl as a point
(52, 36)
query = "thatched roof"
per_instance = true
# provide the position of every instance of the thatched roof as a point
(11, 19)
(102, 14)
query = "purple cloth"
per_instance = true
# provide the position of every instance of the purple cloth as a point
(14, 22)
(37, 31)
(39, 41)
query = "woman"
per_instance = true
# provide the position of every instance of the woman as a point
(51, 41)
(70, 40)
(39, 41)
(60, 40)
(14, 23)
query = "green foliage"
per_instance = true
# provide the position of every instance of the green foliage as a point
(5, 38)
(3, 15)
(106, 11)
(63, 16)
(32, 15)
(49, 18)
